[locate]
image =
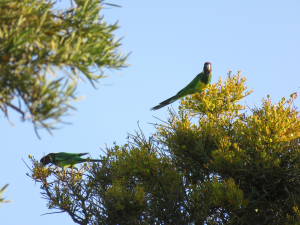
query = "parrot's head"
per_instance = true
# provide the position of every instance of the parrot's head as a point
(46, 160)
(207, 67)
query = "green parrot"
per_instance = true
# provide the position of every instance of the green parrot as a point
(198, 84)
(64, 159)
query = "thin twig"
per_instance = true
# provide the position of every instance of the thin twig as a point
(27, 165)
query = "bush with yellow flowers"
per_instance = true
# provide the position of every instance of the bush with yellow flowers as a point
(209, 163)
(213, 138)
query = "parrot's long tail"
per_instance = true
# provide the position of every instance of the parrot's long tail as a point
(96, 160)
(164, 103)
(91, 160)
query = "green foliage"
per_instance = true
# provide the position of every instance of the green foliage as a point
(210, 163)
(133, 184)
(259, 151)
(1, 191)
(37, 41)
(136, 185)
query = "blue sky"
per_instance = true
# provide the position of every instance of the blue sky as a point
(169, 41)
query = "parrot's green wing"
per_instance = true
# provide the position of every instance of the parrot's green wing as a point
(64, 159)
(196, 85)
(64, 156)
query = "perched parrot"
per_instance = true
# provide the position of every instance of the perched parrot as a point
(199, 84)
(64, 159)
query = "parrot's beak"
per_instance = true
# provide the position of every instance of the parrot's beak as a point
(43, 161)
